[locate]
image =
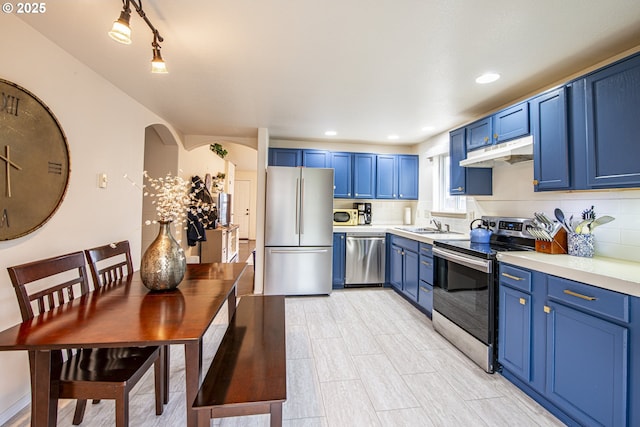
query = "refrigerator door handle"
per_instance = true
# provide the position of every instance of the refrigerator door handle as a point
(298, 206)
(308, 251)
(302, 207)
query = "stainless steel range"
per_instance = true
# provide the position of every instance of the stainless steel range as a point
(465, 291)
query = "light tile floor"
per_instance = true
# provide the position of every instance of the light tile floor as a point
(361, 357)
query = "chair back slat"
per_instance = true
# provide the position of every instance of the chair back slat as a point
(116, 256)
(29, 284)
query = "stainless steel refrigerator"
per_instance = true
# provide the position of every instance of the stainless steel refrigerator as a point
(298, 231)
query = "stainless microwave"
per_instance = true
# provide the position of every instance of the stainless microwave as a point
(345, 217)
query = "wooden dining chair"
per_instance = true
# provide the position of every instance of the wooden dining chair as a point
(109, 265)
(85, 373)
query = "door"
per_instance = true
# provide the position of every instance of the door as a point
(587, 366)
(316, 207)
(514, 331)
(298, 271)
(341, 164)
(550, 141)
(282, 220)
(241, 207)
(386, 176)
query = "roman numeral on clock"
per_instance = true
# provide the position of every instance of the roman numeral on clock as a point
(55, 168)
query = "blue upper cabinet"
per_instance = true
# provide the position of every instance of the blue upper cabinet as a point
(408, 177)
(466, 181)
(364, 176)
(387, 176)
(511, 123)
(316, 159)
(551, 169)
(613, 124)
(342, 174)
(479, 134)
(285, 157)
(397, 176)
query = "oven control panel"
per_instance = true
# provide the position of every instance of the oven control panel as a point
(516, 227)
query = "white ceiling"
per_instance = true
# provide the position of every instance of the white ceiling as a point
(366, 69)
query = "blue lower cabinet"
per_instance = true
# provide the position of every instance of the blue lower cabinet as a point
(514, 331)
(339, 257)
(587, 365)
(425, 296)
(411, 269)
(396, 266)
(571, 346)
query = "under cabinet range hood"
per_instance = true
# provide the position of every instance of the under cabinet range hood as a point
(518, 150)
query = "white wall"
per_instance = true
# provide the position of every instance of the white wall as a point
(105, 129)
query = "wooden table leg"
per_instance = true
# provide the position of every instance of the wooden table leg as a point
(231, 302)
(193, 374)
(44, 399)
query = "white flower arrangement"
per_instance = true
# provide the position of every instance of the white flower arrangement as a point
(174, 199)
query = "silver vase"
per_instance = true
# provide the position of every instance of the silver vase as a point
(163, 263)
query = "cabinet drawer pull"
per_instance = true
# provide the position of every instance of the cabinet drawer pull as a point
(512, 277)
(523, 301)
(425, 289)
(426, 263)
(547, 309)
(577, 295)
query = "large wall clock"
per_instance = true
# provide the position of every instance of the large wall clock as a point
(34, 162)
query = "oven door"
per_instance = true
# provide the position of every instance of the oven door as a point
(464, 293)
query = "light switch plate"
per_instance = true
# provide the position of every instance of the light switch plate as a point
(102, 180)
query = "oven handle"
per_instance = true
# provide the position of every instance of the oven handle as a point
(486, 266)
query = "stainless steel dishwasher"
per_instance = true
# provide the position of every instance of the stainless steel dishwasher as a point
(364, 264)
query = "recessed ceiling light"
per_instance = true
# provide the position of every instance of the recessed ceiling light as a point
(393, 137)
(487, 78)
(331, 133)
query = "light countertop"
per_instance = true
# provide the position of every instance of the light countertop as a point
(607, 273)
(393, 229)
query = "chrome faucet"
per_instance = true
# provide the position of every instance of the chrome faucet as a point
(437, 223)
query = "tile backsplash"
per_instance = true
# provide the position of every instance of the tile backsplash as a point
(513, 195)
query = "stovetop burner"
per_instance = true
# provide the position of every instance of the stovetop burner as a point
(508, 234)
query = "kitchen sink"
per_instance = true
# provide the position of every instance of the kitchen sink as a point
(426, 230)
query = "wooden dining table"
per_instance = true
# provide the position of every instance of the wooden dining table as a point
(123, 315)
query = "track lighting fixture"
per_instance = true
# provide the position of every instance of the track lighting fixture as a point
(121, 32)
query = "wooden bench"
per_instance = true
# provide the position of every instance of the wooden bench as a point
(248, 373)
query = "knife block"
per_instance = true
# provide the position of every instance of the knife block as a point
(557, 246)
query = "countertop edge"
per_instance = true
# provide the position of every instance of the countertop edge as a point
(606, 273)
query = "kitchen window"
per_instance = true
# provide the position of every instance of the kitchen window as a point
(442, 200)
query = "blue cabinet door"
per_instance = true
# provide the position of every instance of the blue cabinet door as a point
(342, 174)
(364, 176)
(396, 267)
(387, 176)
(587, 366)
(411, 272)
(470, 181)
(551, 170)
(514, 331)
(316, 159)
(612, 106)
(339, 257)
(285, 157)
(479, 134)
(457, 152)
(511, 123)
(408, 177)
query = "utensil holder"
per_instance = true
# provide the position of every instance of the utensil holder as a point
(557, 246)
(581, 245)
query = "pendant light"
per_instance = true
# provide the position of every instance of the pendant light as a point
(121, 32)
